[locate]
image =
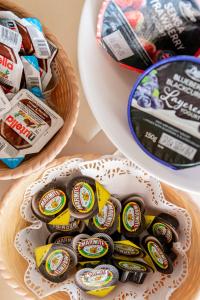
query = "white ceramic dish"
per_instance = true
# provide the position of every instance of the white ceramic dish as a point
(107, 88)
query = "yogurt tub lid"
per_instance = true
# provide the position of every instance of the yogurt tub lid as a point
(164, 112)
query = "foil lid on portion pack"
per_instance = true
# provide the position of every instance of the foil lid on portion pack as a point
(32, 75)
(164, 228)
(55, 261)
(132, 216)
(33, 39)
(10, 64)
(5, 105)
(73, 226)
(28, 126)
(164, 112)
(137, 33)
(59, 238)
(95, 247)
(160, 259)
(128, 249)
(46, 66)
(49, 202)
(99, 281)
(87, 197)
(107, 220)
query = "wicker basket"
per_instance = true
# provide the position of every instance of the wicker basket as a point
(13, 266)
(64, 98)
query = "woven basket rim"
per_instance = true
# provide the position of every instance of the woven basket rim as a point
(178, 197)
(44, 157)
(5, 274)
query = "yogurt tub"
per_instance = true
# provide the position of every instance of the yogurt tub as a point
(164, 112)
(138, 33)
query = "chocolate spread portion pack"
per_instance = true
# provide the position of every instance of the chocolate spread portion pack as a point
(32, 75)
(137, 33)
(10, 64)
(27, 61)
(5, 105)
(28, 126)
(46, 66)
(33, 39)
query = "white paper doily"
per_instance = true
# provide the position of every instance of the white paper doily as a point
(119, 176)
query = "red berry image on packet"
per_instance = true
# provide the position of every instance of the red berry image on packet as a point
(124, 3)
(134, 3)
(135, 18)
(138, 33)
(149, 47)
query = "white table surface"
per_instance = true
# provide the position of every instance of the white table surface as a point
(63, 20)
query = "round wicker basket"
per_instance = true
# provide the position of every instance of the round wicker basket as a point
(65, 101)
(13, 266)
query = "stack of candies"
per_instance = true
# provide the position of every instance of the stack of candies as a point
(27, 77)
(106, 238)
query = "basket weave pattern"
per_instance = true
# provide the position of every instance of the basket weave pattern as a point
(65, 100)
(13, 266)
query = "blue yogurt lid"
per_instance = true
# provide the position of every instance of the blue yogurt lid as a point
(164, 112)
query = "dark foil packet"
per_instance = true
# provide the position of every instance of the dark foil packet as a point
(138, 33)
(164, 112)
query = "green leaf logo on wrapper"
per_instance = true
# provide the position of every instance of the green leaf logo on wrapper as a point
(57, 263)
(157, 255)
(93, 248)
(131, 217)
(83, 197)
(105, 218)
(52, 202)
(97, 278)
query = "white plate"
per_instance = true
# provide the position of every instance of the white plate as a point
(107, 88)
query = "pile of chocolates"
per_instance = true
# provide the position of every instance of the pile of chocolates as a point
(27, 77)
(99, 237)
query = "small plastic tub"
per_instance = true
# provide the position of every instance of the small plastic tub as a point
(164, 112)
